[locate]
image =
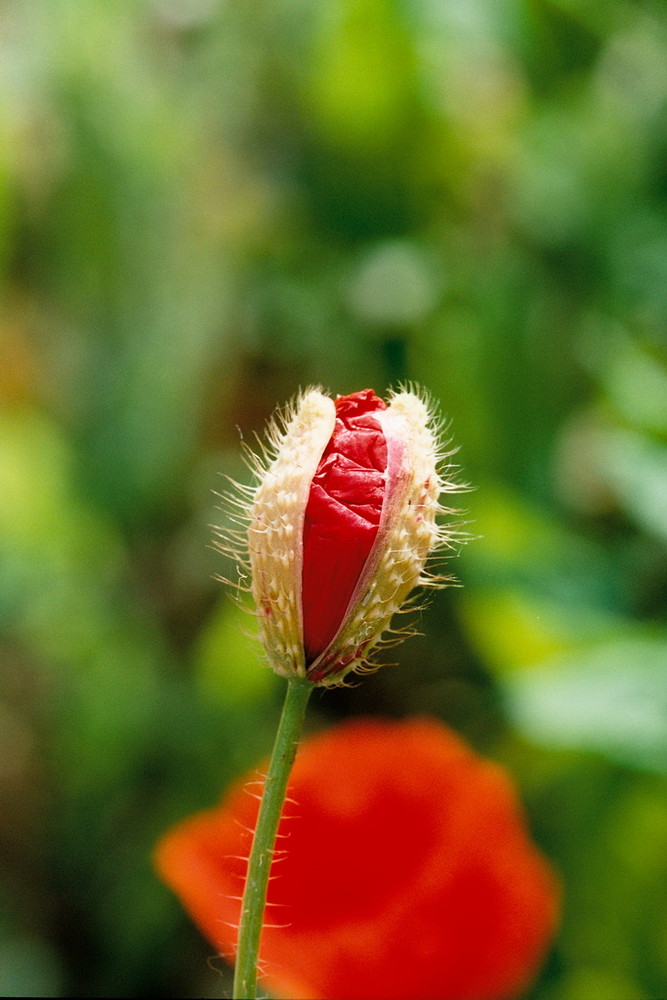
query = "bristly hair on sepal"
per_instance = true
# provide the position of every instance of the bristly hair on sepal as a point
(265, 529)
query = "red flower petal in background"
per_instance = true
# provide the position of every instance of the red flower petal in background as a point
(405, 872)
(342, 516)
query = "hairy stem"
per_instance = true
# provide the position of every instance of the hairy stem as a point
(261, 855)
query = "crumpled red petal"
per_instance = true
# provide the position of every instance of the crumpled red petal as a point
(404, 872)
(342, 517)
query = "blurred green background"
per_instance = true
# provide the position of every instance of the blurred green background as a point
(206, 204)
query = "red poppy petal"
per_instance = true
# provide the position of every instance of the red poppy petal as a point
(342, 517)
(404, 871)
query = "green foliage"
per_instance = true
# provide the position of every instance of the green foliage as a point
(204, 206)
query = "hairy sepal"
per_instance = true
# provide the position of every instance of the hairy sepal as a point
(407, 534)
(275, 530)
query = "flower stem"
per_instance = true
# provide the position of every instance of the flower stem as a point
(261, 855)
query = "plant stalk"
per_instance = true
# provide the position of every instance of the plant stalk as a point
(261, 854)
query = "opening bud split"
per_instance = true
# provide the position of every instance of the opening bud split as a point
(338, 528)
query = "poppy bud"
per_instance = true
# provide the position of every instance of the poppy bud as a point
(340, 525)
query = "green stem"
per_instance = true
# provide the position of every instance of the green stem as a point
(261, 855)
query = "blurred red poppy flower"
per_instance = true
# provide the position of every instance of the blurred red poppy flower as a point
(404, 870)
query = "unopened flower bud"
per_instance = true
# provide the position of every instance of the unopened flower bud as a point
(340, 525)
